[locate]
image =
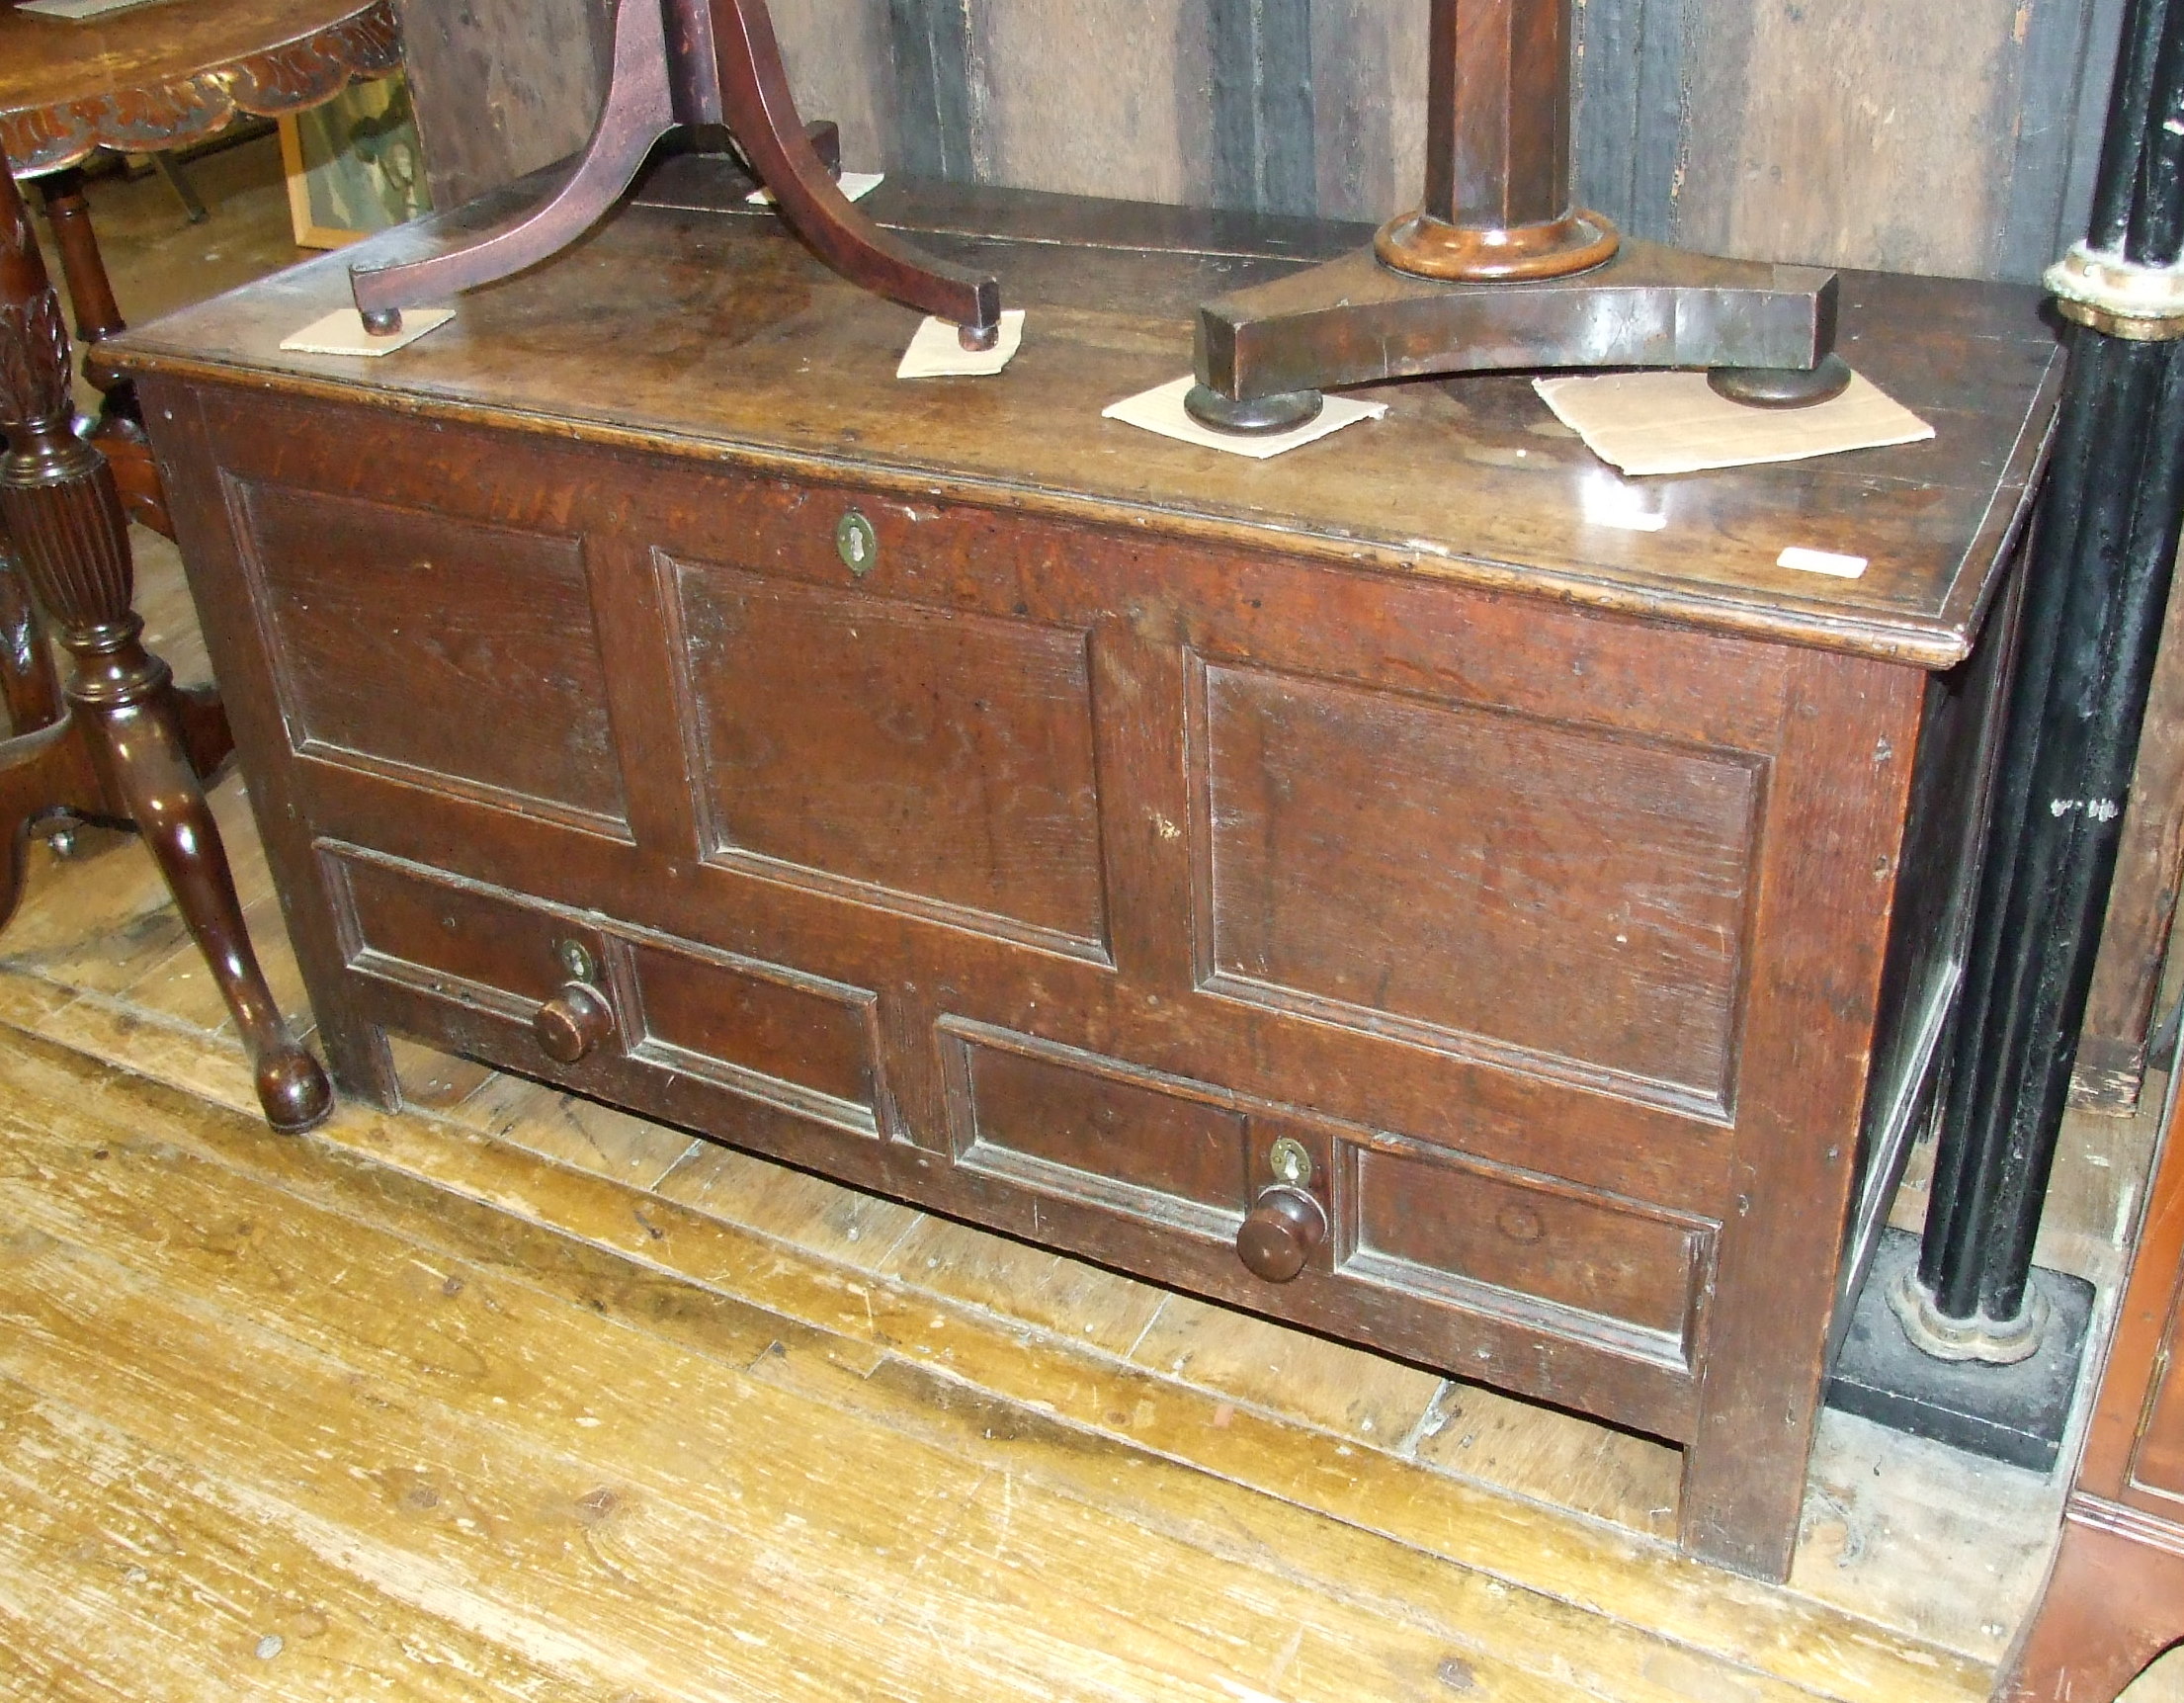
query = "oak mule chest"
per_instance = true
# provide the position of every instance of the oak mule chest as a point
(1381, 887)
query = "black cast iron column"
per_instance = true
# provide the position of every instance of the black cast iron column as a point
(2105, 543)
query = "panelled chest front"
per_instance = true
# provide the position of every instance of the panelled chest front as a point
(1371, 886)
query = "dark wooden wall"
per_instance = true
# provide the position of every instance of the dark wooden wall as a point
(1930, 136)
(501, 87)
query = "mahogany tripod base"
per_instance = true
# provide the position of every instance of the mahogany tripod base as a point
(142, 763)
(1264, 353)
(680, 65)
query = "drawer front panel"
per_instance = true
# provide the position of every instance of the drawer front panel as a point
(1426, 1224)
(432, 644)
(1086, 1130)
(732, 1020)
(425, 932)
(1181, 1155)
(797, 1043)
(1391, 862)
(927, 759)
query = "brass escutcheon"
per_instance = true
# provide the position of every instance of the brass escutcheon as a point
(1289, 1162)
(856, 544)
(576, 958)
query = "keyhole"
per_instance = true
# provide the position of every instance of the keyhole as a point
(856, 542)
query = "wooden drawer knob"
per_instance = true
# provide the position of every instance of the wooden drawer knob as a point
(570, 1024)
(1280, 1233)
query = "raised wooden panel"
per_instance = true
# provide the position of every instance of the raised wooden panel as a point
(429, 933)
(932, 761)
(734, 1019)
(1426, 1224)
(426, 643)
(1416, 866)
(1092, 1133)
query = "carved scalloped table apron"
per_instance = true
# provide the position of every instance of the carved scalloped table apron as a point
(153, 78)
(1373, 887)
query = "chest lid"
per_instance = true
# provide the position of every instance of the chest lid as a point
(702, 329)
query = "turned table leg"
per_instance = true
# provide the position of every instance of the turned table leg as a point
(119, 429)
(126, 744)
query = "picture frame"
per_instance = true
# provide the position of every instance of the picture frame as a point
(353, 165)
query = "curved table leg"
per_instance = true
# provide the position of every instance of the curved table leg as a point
(121, 749)
(762, 114)
(650, 94)
(150, 769)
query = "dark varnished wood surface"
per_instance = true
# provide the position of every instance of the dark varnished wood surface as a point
(1133, 830)
(701, 333)
(125, 746)
(172, 73)
(2115, 1599)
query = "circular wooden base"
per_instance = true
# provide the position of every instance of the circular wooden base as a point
(1428, 248)
(1781, 386)
(1258, 417)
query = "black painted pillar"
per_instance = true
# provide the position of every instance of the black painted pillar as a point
(2105, 542)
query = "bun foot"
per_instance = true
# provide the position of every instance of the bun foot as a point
(1781, 387)
(293, 1091)
(1260, 417)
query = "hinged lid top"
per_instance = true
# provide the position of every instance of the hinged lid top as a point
(712, 333)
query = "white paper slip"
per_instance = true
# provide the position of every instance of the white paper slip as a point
(854, 185)
(1160, 409)
(342, 332)
(80, 11)
(937, 351)
(1821, 561)
(1675, 423)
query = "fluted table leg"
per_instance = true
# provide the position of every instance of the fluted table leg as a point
(29, 690)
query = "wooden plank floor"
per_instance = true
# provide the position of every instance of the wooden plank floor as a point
(513, 1396)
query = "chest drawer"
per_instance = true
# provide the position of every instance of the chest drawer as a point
(544, 989)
